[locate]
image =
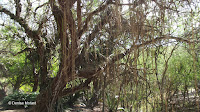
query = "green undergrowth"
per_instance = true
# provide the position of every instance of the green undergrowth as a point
(19, 100)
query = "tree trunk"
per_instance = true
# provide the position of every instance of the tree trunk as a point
(36, 79)
(43, 67)
(17, 84)
(94, 100)
(35, 86)
(47, 99)
(2, 94)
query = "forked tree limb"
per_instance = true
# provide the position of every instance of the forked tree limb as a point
(75, 89)
(96, 30)
(90, 15)
(22, 22)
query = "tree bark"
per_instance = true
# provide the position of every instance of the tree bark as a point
(17, 84)
(35, 86)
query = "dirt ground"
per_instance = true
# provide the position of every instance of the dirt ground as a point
(76, 108)
(20, 110)
(70, 110)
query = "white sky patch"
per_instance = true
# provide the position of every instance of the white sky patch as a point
(125, 7)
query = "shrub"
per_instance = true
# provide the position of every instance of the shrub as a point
(2, 94)
(19, 100)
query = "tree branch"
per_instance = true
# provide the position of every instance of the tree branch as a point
(163, 6)
(90, 74)
(40, 6)
(165, 37)
(89, 17)
(134, 4)
(113, 59)
(18, 7)
(21, 21)
(100, 25)
(22, 51)
(75, 89)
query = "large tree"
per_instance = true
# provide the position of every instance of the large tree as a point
(85, 34)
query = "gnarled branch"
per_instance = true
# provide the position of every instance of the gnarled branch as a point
(22, 51)
(21, 21)
(89, 17)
